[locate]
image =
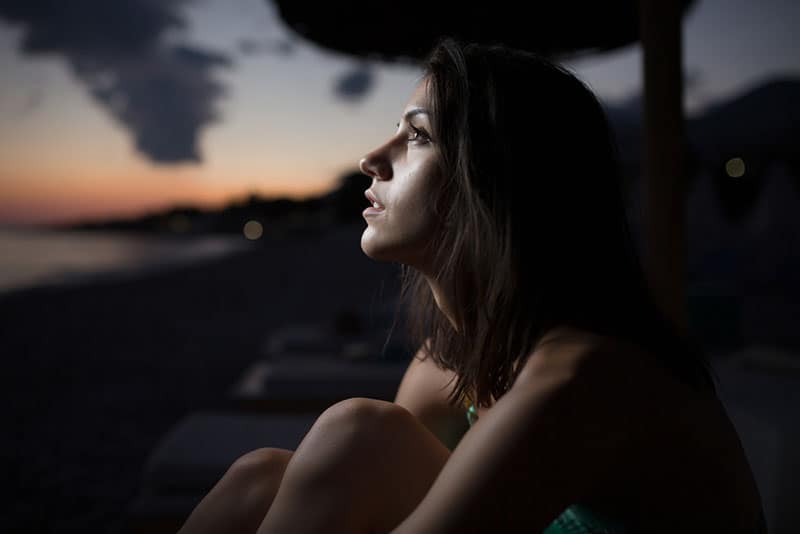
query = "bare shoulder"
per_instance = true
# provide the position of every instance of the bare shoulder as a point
(599, 381)
(643, 427)
(567, 354)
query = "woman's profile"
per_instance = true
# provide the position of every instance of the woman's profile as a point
(548, 394)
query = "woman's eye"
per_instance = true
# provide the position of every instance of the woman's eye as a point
(418, 135)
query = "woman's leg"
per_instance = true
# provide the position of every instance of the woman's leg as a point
(363, 467)
(239, 501)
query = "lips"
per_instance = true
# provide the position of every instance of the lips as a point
(376, 208)
(376, 203)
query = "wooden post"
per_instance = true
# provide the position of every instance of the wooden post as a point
(664, 171)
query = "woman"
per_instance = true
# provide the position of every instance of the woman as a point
(500, 195)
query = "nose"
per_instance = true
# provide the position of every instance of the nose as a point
(376, 165)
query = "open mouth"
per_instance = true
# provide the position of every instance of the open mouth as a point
(376, 206)
(374, 209)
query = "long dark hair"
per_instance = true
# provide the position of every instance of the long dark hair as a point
(534, 232)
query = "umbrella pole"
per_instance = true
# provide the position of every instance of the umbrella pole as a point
(664, 191)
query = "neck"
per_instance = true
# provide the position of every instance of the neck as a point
(443, 300)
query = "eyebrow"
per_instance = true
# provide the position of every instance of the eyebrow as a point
(416, 111)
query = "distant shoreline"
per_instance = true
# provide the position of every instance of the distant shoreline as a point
(36, 257)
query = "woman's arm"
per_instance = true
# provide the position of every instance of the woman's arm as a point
(557, 436)
(424, 392)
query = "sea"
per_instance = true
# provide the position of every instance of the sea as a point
(31, 257)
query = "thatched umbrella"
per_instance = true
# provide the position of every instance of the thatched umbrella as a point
(367, 28)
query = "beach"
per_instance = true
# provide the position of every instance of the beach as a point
(96, 372)
(97, 368)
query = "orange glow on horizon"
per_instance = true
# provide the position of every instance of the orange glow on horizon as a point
(30, 199)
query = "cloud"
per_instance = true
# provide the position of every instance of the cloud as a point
(355, 84)
(164, 94)
(253, 47)
(18, 104)
(163, 101)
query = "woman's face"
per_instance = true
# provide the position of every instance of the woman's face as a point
(405, 173)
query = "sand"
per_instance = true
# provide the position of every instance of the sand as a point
(95, 374)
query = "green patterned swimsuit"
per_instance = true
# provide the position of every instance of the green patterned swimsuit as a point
(580, 520)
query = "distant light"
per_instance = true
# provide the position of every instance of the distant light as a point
(253, 230)
(735, 167)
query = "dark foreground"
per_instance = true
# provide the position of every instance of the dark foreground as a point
(93, 376)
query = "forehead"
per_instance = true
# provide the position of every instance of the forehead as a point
(420, 96)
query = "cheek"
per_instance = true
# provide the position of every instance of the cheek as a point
(416, 191)
(414, 208)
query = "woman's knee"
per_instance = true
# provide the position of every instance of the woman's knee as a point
(364, 451)
(363, 411)
(239, 501)
(354, 433)
(260, 463)
(359, 423)
(257, 474)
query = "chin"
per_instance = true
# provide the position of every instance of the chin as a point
(405, 251)
(380, 255)
(381, 252)
(373, 250)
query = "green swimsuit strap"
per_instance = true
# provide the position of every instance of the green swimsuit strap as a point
(472, 414)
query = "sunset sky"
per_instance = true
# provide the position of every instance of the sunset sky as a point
(290, 118)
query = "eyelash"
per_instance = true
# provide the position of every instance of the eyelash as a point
(420, 133)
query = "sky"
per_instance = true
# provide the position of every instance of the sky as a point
(253, 108)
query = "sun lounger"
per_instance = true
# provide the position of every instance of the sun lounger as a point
(194, 455)
(303, 371)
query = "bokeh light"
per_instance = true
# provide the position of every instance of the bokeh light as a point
(253, 230)
(735, 167)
